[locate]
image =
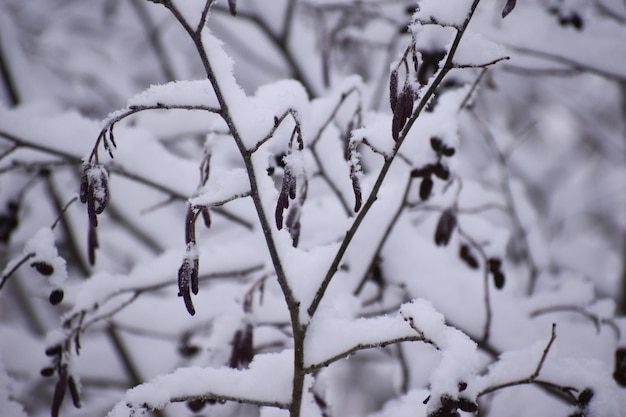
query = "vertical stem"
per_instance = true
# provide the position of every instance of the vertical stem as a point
(293, 305)
(9, 81)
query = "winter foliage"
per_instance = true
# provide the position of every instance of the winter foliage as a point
(313, 208)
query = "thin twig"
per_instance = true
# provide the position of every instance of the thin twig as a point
(363, 346)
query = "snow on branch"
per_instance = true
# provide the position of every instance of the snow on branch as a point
(266, 382)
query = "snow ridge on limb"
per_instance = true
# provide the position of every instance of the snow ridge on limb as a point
(266, 382)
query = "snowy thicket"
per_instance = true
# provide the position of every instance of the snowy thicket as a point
(313, 208)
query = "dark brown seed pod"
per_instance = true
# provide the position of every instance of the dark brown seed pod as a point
(184, 282)
(448, 151)
(91, 211)
(462, 386)
(465, 253)
(403, 110)
(441, 171)
(92, 245)
(445, 227)
(232, 7)
(195, 276)
(84, 182)
(424, 171)
(585, 397)
(206, 217)
(47, 371)
(71, 383)
(393, 90)
(508, 8)
(293, 225)
(426, 186)
(619, 374)
(494, 264)
(356, 187)
(436, 144)
(101, 190)
(196, 405)
(287, 190)
(43, 268)
(499, 280)
(59, 391)
(55, 350)
(242, 348)
(56, 296)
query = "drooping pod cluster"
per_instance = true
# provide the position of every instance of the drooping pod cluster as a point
(287, 192)
(65, 381)
(401, 103)
(438, 169)
(94, 191)
(188, 273)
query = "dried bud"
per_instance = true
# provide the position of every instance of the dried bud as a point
(495, 264)
(619, 374)
(47, 371)
(206, 217)
(293, 225)
(508, 8)
(71, 383)
(426, 187)
(43, 268)
(462, 386)
(232, 7)
(447, 151)
(498, 280)
(585, 397)
(393, 90)
(441, 171)
(92, 244)
(468, 257)
(84, 182)
(59, 391)
(287, 191)
(196, 405)
(188, 278)
(441, 148)
(424, 171)
(54, 350)
(243, 348)
(99, 189)
(436, 144)
(403, 110)
(356, 187)
(56, 296)
(445, 227)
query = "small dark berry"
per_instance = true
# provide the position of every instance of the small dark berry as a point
(47, 371)
(56, 296)
(43, 268)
